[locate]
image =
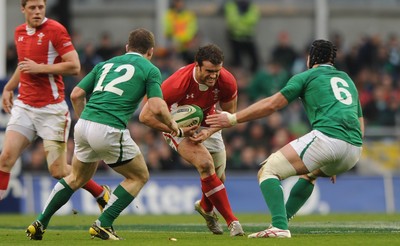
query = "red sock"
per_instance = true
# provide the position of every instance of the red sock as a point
(215, 190)
(94, 188)
(206, 204)
(4, 180)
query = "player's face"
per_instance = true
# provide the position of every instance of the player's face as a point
(208, 73)
(34, 11)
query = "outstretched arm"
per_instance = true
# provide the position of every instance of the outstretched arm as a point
(262, 108)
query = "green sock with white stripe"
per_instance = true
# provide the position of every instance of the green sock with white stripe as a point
(59, 196)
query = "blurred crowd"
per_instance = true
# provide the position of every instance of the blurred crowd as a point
(373, 62)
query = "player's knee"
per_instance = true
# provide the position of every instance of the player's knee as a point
(57, 172)
(56, 158)
(205, 165)
(276, 166)
(54, 150)
(144, 177)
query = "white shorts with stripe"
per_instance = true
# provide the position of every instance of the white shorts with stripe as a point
(333, 156)
(51, 122)
(95, 142)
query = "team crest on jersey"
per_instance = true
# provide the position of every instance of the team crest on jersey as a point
(40, 41)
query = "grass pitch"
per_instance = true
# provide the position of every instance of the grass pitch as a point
(333, 229)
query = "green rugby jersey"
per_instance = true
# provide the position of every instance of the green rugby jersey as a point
(117, 87)
(331, 102)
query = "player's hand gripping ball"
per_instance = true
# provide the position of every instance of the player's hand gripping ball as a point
(187, 115)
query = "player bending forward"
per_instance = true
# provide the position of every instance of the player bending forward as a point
(204, 83)
(334, 146)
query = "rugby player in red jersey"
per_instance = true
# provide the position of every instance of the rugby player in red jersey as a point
(45, 54)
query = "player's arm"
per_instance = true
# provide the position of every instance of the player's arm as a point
(159, 109)
(230, 107)
(155, 114)
(257, 110)
(148, 118)
(69, 65)
(78, 100)
(8, 91)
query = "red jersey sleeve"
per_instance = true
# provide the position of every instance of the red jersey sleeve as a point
(60, 38)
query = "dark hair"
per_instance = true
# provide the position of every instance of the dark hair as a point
(141, 40)
(211, 53)
(24, 2)
(322, 51)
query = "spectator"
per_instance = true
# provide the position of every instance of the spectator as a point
(283, 52)
(106, 49)
(181, 30)
(267, 81)
(242, 17)
(380, 111)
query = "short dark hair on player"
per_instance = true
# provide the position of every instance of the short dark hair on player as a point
(141, 40)
(322, 51)
(211, 53)
(23, 2)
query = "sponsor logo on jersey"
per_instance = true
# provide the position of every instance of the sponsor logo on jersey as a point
(67, 44)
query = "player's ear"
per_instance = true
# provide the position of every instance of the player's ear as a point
(126, 48)
(150, 53)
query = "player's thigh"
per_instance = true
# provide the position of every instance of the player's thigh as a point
(52, 122)
(196, 154)
(13, 145)
(21, 121)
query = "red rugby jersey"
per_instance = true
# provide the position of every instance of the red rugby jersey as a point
(181, 89)
(45, 44)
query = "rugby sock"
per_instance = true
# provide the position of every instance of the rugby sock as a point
(94, 188)
(119, 200)
(273, 195)
(206, 204)
(59, 196)
(215, 190)
(4, 180)
(299, 194)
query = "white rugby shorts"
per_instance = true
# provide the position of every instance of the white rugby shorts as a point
(51, 122)
(333, 156)
(95, 142)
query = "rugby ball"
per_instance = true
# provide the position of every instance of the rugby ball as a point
(187, 115)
